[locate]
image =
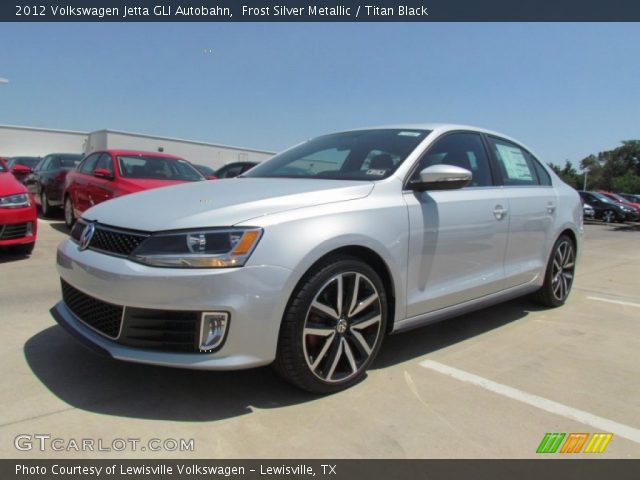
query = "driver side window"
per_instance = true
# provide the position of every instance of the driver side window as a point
(464, 150)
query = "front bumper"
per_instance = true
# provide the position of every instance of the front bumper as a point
(254, 297)
(12, 221)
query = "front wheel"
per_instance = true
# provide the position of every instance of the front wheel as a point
(558, 278)
(45, 206)
(69, 217)
(608, 216)
(333, 326)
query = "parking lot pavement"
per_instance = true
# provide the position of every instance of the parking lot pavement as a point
(485, 385)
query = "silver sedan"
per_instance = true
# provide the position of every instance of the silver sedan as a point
(309, 259)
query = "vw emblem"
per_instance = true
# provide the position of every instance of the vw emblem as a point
(87, 235)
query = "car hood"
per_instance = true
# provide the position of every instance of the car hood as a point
(221, 202)
(9, 185)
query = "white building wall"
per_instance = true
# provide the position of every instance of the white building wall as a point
(208, 154)
(30, 141)
(26, 141)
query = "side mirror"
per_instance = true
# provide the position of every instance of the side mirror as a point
(21, 169)
(441, 177)
(102, 173)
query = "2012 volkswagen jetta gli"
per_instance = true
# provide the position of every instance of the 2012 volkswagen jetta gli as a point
(308, 260)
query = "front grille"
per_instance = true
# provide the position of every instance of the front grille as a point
(110, 240)
(11, 232)
(164, 330)
(144, 328)
(101, 316)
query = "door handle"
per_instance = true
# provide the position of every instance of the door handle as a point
(499, 212)
(551, 208)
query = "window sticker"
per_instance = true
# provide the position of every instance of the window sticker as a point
(514, 162)
(376, 172)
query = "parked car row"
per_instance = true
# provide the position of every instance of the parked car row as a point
(69, 181)
(603, 206)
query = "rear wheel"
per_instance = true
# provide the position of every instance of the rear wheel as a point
(558, 278)
(69, 217)
(333, 326)
(45, 206)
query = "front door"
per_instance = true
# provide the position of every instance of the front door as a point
(457, 237)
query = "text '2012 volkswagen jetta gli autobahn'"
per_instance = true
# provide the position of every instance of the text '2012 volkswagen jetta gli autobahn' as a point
(308, 260)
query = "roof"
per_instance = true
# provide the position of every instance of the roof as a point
(134, 153)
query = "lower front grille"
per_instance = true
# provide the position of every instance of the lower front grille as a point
(11, 232)
(144, 328)
(104, 317)
(166, 330)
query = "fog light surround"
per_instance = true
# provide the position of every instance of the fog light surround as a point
(29, 229)
(213, 330)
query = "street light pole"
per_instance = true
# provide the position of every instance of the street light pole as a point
(586, 172)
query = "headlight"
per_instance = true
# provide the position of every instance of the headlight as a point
(19, 200)
(214, 248)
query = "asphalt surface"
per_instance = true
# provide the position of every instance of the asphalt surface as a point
(485, 385)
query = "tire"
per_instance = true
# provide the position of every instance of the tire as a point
(326, 345)
(22, 249)
(45, 206)
(608, 216)
(69, 218)
(558, 278)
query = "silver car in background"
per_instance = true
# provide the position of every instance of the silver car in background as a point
(312, 257)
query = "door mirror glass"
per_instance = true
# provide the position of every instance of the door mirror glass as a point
(442, 177)
(102, 173)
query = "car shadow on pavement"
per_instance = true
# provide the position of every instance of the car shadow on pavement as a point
(102, 385)
(417, 343)
(6, 256)
(59, 226)
(627, 227)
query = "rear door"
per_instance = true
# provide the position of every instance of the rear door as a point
(457, 237)
(531, 210)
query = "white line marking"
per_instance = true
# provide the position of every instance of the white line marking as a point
(618, 302)
(602, 424)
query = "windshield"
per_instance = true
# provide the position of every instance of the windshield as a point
(69, 161)
(603, 198)
(2, 169)
(617, 198)
(357, 155)
(157, 168)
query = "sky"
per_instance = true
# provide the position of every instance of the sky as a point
(565, 90)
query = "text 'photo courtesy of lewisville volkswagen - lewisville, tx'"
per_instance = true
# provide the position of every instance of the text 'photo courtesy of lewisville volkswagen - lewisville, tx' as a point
(276, 241)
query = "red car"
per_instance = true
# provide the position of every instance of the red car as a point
(617, 198)
(18, 217)
(106, 174)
